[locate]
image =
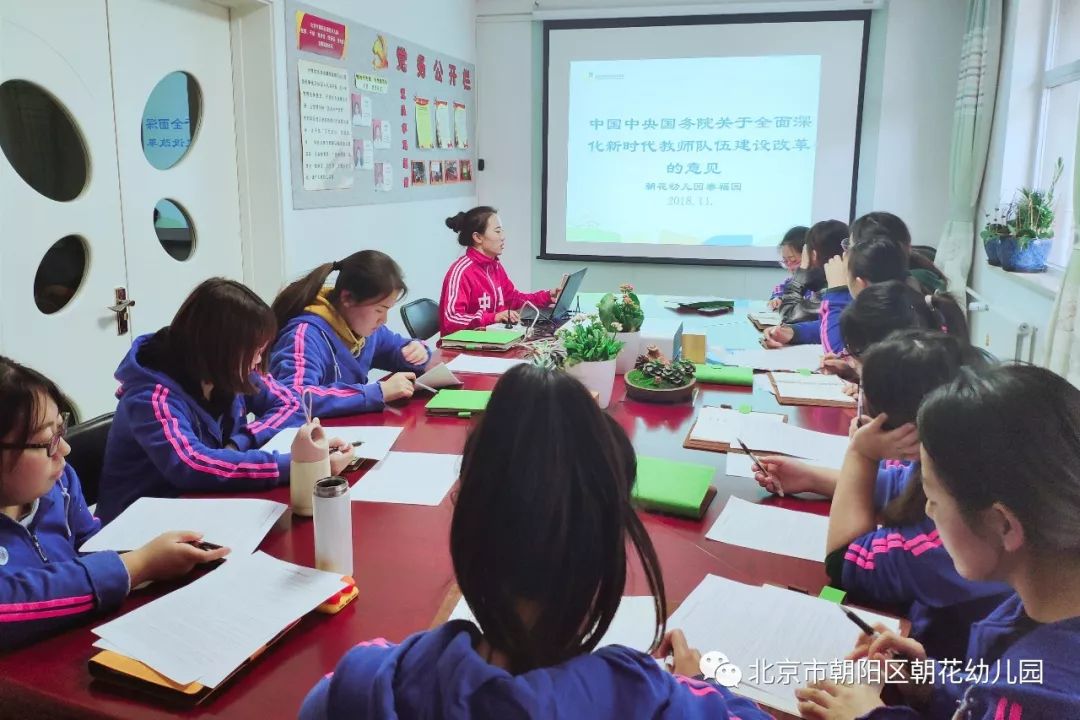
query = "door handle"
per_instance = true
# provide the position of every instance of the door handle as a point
(121, 307)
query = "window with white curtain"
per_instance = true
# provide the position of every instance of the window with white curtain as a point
(1059, 120)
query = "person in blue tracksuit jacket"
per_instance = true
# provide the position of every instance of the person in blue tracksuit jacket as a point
(902, 562)
(1000, 458)
(539, 541)
(46, 584)
(332, 336)
(185, 394)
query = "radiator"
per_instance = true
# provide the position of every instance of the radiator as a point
(999, 332)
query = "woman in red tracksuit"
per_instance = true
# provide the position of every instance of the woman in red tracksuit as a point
(476, 291)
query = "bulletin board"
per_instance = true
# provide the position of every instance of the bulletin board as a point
(374, 118)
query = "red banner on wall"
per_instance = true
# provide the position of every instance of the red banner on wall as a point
(320, 36)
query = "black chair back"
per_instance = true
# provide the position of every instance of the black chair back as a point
(421, 318)
(87, 441)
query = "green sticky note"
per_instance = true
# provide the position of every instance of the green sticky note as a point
(746, 409)
(724, 375)
(673, 487)
(464, 414)
(470, 346)
(459, 401)
(832, 594)
(484, 337)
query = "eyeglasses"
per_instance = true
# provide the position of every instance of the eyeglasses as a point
(790, 263)
(50, 447)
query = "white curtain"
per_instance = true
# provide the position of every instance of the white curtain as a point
(975, 93)
(1063, 350)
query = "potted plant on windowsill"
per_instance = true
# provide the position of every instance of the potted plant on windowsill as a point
(591, 350)
(622, 314)
(1031, 229)
(994, 231)
(655, 379)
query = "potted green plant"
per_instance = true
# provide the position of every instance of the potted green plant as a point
(995, 229)
(655, 379)
(1031, 229)
(591, 350)
(622, 314)
(548, 354)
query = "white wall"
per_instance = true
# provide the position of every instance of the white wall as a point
(911, 83)
(412, 233)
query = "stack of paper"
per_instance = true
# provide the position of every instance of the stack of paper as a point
(482, 365)
(235, 523)
(801, 389)
(206, 630)
(374, 441)
(633, 626)
(408, 478)
(771, 529)
(791, 357)
(816, 447)
(778, 638)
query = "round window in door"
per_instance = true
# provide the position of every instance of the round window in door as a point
(170, 120)
(174, 229)
(40, 140)
(60, 274)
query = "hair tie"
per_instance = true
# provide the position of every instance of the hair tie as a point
(336, 267)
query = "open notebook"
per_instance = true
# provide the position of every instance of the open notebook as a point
(802, 389)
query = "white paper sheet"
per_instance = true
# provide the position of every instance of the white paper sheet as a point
(797, 386)
(438, 377)
(408, 478)
(482, 365)
(238, 524)
(722, 425)
(375, 440)
(325, 126)
(791, 357)
(767, 318)
(633, 625)
(761, 627)
(816, 447)
(207, 629)
(771, 529)
(740, 465)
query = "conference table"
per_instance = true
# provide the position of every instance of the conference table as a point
(402, 562)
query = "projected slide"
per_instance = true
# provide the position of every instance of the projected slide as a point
(691, 151)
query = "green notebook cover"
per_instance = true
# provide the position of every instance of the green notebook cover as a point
(674, 487)
(724, 375)
(459, 400)
(485, 337)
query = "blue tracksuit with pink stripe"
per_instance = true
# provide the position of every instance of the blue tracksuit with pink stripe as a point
(45, 584)
(164, 442)
(825, 330)
(909, 565)
(438, 674)
(309, 355)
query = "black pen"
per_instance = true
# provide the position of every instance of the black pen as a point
(871, 632)
(760, 467)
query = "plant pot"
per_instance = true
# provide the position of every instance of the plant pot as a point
(598, 377)
(624, 363)
(1031, 258)
(993, 250)
(644, 393)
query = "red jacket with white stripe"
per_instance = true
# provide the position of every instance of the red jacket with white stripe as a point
(475, 289)
(45, 584)
(164, 442)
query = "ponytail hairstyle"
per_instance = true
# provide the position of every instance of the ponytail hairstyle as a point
(465, 224)
(1010, 435)
(367, 276)
(824, 239)
(897, 374)
(893, 305)
(877, 259)
(216, 333)
(547, 525)
(23, 392)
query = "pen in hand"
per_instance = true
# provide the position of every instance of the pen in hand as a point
(869, 631)
(759, 466)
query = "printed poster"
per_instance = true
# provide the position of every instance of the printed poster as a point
(435, 172)
(424, 138)
(320, 36)
(363, 154)
(384, 176)
(461, 128)
(380, 134)
(325, 126)
(442, 125)
(466, 171)
(450, 171)
(361, 110)
(419, 172)
(366, 82)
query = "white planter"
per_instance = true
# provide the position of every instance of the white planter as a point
(624, 363)
(598, 377)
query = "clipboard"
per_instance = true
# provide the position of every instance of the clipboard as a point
(815, 402)
(721, 447)
(763, 325)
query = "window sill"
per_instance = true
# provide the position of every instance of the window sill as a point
(1046, 283)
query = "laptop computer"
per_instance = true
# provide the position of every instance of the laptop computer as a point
(561, 310)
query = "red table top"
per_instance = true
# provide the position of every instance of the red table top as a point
(403, 568)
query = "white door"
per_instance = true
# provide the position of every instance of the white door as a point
(58, 138)
(172, 66)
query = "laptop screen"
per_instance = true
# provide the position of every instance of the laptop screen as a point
(570, 291)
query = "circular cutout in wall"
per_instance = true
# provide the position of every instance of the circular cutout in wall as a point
(60, 273)
(41, 141)
(170, 119)
(174, 229)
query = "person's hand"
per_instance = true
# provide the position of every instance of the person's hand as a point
(169, 555)
(804, 262)
(888, 646)
(850, 389)
(341, 455)
(397, 386)
(836, 274)
(778, 336)
(507, 316)
(415, 353)
(794, 476)
(773, 304)
(826, 700)
(555, 295)
(874, 442)
(687, 659)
